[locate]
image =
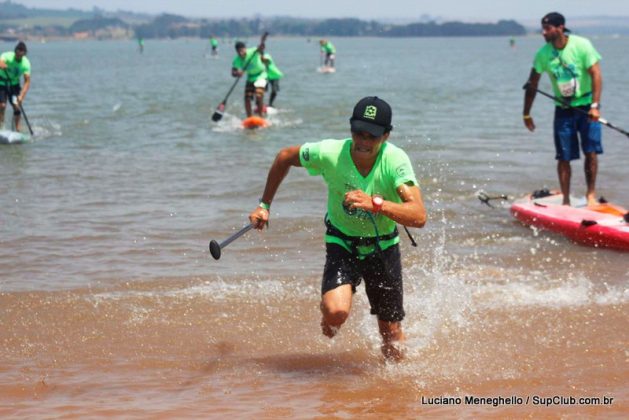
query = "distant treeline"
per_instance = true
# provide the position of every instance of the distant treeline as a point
(19, 19)
(172, 26)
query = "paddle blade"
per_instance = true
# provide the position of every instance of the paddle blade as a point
(218, 114)
(215, 249)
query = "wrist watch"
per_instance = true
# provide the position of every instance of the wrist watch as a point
(377, 201)
(595, 105)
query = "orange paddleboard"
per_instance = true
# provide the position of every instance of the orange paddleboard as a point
(254, 122)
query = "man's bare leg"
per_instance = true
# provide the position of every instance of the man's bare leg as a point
(335, 307)
(591, 168)
(248, 106)
(564, 171)
(392, 337)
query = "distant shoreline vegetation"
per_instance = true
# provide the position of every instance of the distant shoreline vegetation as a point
(19, 21)
(171, 26)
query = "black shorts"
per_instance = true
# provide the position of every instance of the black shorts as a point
(382, 274)
(251, 90)
(13, 90)
(274, 84)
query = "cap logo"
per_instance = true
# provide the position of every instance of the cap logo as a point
(370, 112)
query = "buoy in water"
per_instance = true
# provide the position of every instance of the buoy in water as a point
(254, 122)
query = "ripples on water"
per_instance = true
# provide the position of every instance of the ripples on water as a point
(109, 293)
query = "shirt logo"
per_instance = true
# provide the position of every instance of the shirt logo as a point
(306, 154)
(370, 112)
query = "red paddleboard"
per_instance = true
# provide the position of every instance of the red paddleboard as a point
(603, 225)
(254, 122)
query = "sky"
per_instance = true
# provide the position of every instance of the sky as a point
(410, 10)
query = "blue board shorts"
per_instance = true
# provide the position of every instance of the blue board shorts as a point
(569, 126)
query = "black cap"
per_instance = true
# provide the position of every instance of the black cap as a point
(555, 19)
(373, 115)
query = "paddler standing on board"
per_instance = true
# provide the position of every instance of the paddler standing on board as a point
(214, 45)
(330, 52)
(274, 75)
(371, 187)
(256, 74)
(13, 66)
(575, 74)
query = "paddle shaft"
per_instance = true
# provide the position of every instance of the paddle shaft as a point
(236, 236)
(567, 104)
(244, 69)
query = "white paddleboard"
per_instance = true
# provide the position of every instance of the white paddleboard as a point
(326, 69)
(13, 137)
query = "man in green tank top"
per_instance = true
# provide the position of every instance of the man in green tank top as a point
(274, 75)
(371, 187)
(13, 66)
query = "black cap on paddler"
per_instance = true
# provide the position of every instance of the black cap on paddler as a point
(373, 115)
(555, 19)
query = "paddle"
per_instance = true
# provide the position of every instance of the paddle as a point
(215, 247)
(19, 104)
(218, 114)
(567, 104)
(485, 198)
(28, 124)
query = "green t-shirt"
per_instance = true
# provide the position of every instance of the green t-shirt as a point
(328, 48)
(332, 160)
(273, 72)
(214, 42)
(15, 69)
(256, 68)
(568, 69)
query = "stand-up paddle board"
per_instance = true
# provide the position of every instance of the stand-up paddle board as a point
(326, 69)
(13, 137)
(254, 122)
(602, 225)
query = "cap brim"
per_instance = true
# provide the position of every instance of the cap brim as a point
(371, 128)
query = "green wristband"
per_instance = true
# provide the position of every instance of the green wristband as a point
(264, 205)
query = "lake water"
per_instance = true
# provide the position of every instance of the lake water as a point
(110, 303)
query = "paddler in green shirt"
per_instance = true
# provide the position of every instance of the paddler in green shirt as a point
(274, 76)
(371, 187)
(251, 61)
(330, 52)
(13, 66)
(214, 45)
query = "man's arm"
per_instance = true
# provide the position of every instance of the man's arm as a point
(237, 72)
(529, 97)
(27, 85)
(597, 89)
(410, 212)
(286, 158)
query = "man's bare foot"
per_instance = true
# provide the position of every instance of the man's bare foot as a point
(328, 330)
(592, 201)
(393, 351)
